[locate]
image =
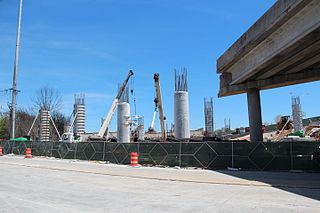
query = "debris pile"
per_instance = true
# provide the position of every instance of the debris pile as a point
(313, 131)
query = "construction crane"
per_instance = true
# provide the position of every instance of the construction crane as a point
(105, 126)
(69, 135)
(159, 106)
(151, 128)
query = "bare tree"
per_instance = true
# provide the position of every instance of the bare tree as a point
(60, 121)
(24, 121)
(50, 99)
(47, 99)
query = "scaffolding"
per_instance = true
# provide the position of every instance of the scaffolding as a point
(208, 117)
(297, 114)
(79, 114)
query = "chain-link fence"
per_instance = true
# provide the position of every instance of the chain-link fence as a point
(211, 155)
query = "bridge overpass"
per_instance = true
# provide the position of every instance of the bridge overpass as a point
(282, 48)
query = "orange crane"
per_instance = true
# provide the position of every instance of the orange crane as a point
(159, 106)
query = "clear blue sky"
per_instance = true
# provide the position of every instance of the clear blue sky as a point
(89, 46)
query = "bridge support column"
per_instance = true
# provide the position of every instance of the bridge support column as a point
(255, 120)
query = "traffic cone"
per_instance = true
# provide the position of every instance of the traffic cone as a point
(1, 151)
(28, 153)
(134, 159)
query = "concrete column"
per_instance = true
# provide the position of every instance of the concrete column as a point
(255, 120)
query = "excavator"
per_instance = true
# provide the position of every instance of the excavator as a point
(158, 102)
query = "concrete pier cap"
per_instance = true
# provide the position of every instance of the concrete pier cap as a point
(282, 48)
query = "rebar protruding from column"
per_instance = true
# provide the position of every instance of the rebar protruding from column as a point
(181, 106)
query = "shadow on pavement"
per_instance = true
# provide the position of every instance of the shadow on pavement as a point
(302, 183)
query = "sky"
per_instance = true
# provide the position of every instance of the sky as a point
(88, 46)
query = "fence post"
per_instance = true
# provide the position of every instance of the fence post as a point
(104, 151)
(180, 154)
(31, 144)
(75, 151)
(291, 156)
(232, 155)
(51, 147)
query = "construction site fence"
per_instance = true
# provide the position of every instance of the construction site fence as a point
(209, 155)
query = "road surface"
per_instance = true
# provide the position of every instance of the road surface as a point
(52, 185)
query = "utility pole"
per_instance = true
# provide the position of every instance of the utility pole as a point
(14, 84)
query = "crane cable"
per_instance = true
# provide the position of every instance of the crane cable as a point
(134, 95)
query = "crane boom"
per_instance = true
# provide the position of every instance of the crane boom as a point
(113, 107)
(159, 105)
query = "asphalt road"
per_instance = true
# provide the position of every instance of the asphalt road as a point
(49, 185)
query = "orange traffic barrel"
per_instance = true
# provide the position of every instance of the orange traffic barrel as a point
(134, 159)
(28, 153)
(1, 151)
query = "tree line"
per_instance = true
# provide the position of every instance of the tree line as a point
(46, 98)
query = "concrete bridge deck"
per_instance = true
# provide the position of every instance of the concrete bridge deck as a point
(282, 48)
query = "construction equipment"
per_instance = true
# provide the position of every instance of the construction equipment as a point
(159, 106)
(151, 128)
(69, 135)
(103, 132)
